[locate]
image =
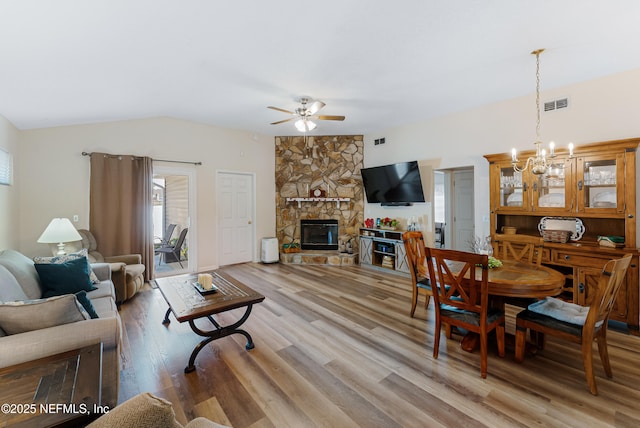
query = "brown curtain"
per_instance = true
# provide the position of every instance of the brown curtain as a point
(120, 215)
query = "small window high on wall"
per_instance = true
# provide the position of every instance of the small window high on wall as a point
(6, 174)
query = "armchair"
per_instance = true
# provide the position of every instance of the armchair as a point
(127, 271)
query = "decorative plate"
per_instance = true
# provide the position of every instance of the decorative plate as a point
(515, 199)
(604, 200)
(551, 200)
(572, 224)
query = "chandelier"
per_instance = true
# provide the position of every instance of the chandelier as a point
(541, 162)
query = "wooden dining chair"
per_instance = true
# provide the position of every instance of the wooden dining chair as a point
(416, 256)
(576, 323)
(527, 248)
(461, 299)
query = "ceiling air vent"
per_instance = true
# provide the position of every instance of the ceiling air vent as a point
(556, 105)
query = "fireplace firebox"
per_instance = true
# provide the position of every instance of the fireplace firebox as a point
(319, 234)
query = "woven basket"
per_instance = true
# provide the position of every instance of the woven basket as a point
(560, 236)
(291, 250)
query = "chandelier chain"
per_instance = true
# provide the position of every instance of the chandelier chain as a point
(538, 95)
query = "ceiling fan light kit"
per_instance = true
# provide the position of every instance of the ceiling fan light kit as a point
(304, 114)
(305, 125)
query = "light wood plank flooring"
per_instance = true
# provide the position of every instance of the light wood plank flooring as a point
(335, 347)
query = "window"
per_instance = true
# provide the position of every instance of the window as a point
(5, 167)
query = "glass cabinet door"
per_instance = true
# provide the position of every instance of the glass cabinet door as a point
(552, 189)
(601, 184)
(513, 194)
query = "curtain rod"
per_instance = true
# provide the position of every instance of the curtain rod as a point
(155, 160)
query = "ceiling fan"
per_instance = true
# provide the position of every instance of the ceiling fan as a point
(305, 113)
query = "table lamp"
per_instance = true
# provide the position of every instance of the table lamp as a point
(59, 231)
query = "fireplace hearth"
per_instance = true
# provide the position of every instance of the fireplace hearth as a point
(319, 234)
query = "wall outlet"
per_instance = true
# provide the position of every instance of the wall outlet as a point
(76, 218)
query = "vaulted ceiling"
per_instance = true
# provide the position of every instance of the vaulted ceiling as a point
(380, 63)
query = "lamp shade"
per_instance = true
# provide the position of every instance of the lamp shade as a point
(59, 230)
(304, 125)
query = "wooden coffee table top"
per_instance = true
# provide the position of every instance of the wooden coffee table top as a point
(53, 390)
(187, 303)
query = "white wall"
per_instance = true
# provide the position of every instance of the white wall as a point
(9, 218)
(55, 176)
(599, 110)
(52, 178)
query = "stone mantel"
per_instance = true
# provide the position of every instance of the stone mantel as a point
(336, 200)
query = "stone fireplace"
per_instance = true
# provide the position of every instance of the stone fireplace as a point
(330, 165)
(319, 234)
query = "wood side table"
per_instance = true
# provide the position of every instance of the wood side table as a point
(60, 390)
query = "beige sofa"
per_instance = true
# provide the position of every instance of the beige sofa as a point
(19, 281)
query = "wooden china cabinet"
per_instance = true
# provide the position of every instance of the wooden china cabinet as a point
(595, 189)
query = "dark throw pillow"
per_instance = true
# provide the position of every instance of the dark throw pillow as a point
(66, 257)
(65, 278)
(86, 303)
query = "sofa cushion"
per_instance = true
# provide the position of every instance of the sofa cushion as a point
(102, 270)
(28, 315)
(10, 290)
(105, 307)
(66, 257)
(103, 289)
(21, 267)
(65, 278)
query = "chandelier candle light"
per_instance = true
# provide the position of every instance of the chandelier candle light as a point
(539, 163)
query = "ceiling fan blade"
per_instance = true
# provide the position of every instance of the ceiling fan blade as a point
(315, 107)
(330, 117)
(280, 109)
(282, 121)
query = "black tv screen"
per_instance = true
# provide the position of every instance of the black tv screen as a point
(396, 184)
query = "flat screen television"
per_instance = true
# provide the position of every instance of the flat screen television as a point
(395, 184)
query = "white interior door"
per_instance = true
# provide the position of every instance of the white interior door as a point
(463, 220)
(236, 210)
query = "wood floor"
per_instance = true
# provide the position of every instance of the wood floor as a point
(335, 347)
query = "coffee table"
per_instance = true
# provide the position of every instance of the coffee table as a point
(60, 390)
(188, 304)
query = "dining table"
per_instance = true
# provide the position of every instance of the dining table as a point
(516, 280)
(524, 280)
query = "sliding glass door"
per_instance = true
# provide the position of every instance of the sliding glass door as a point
(173, 228)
